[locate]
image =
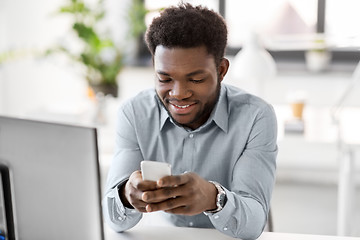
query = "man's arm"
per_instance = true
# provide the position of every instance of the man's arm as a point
(126, 160)
(248, 197)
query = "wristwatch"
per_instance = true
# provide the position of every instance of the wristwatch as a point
(220, 198)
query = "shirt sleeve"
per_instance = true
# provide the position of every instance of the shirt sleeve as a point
(245, 213)
(126, 160)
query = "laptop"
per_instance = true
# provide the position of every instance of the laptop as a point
(50, 181)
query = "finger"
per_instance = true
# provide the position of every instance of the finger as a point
(168, 204)
(133, 194)
(146, 186)
(183, 210)
(140, 184)
(135, 179)
(140, 206)
(135, 200)
(175, 180)
(160, 194)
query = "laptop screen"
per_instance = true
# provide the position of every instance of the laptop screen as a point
(51, 172)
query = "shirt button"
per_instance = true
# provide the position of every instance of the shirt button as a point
(191, 224)
(225, 228)
(191, 135)
(216, 216)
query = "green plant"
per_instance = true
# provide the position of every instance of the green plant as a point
(11, 55)
(100, 56)
(136, 18)
(319, 45)
(4, 56)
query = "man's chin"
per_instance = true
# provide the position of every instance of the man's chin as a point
(182, 122)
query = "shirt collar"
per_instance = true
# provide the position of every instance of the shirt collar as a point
(219, 114)
(164, 116)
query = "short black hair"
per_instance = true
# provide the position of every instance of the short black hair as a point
(187, 26)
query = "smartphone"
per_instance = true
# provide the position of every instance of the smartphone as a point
(153, 171)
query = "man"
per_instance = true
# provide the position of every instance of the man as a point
(219, 140)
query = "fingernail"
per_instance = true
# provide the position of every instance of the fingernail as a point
(148, 208)
(144, 197)
(160, 183)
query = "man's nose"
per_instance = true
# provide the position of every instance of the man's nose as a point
(180, 91)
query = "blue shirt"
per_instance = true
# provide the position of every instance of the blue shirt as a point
(236, 147)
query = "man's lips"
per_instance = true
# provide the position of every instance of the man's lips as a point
(181, 108)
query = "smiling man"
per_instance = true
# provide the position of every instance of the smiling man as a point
(219, 140)
(188, 83)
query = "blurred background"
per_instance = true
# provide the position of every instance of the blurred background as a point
(75, 62)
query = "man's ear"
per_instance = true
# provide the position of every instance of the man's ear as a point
(223, 68)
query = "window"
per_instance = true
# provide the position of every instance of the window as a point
(157, 4)
(286, 19)
(287, 27)
(341, 18)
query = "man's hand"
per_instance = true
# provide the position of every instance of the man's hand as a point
(131, 192)
(186, 194)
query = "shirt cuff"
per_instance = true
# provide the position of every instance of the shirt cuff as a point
(221, 218)
(123, 212)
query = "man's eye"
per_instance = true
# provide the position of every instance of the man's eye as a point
(164, 80)
(197, 80)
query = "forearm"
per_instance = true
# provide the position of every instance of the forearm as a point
(242, 217)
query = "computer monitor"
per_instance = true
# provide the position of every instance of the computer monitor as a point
(50, 181)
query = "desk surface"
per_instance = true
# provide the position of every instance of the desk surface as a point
(177, 233)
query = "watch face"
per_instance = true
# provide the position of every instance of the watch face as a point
(222, 199)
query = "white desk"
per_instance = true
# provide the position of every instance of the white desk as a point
(177, 233)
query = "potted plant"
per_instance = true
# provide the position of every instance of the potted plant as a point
(99, 55)
(137, 28)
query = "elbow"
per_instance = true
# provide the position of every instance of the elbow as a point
(251, 225)
(251, 231)
(252, 236)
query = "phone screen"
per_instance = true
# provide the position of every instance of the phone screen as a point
(153, 171)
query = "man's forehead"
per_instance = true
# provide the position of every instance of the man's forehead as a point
(199, 49)
(165, 57)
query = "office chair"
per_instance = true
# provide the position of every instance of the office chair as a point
(269, 225)
(270, 222)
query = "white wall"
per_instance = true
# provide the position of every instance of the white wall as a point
(32, 82)
(3, 40)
